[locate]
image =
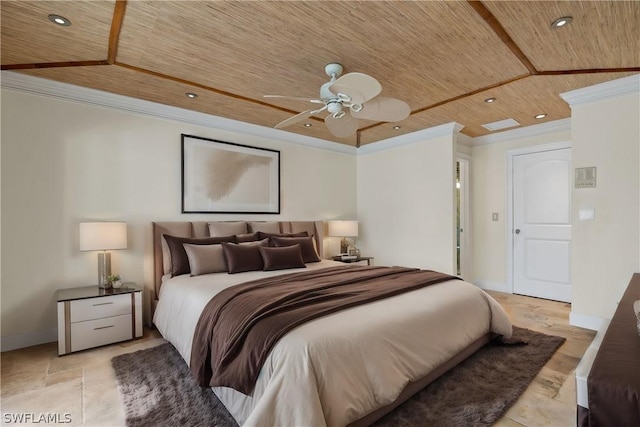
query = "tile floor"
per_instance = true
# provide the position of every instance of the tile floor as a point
(81, 386)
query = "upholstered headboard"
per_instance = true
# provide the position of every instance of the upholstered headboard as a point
(201, 229)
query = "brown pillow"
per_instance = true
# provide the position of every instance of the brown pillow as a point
(309, 253)
(263, 235)
(243, 257)
(248, 237)
(179, 259)
(282, 258)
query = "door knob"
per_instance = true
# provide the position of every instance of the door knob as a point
(517, 231)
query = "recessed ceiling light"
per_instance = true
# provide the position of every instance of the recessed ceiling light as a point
(191, 95)
(541, 116)
(307, 125)
(397, 127)
(60, 20)
(561, 22)
(490, 100)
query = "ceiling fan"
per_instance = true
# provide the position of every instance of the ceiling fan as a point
(349, 98)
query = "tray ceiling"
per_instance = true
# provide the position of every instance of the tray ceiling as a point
(443, 58)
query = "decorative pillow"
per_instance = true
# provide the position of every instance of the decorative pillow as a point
(243, 257)
(179, 259)
(227, 228)
(264, 226)
(261, 242)
(205, 259)
(282, 258)
(309, 253)
(248, 237)
(263, 235)
(166, 257)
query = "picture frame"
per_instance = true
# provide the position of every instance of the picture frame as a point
(225, 177)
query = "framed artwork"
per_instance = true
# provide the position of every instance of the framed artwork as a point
(223, 177)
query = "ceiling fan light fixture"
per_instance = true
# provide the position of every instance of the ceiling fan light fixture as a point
(191, 95)
(490, 100)
(541, 116)
(59, 20)
(561, 22)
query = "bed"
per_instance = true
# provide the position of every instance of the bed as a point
(346, 368)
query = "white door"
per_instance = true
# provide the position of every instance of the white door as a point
(542, 224)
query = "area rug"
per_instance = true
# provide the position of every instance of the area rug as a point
(158, 390)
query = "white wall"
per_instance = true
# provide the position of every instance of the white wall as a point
(406, 204)
(65, 162)
(606, 251)
(489, 194)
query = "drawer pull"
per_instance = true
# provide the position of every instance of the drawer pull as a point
(103, 327)
(103, 303)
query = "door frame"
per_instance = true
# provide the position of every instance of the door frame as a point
(466, 263)
(509, 223)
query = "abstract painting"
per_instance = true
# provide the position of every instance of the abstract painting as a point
(224, 177)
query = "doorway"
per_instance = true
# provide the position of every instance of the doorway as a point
(540, 226)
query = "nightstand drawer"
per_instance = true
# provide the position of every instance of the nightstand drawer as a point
(94, 333)
(97, 308)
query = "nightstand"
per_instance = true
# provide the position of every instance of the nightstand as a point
(90, 316)
(369, 259)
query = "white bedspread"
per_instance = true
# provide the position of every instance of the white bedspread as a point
(338, 368)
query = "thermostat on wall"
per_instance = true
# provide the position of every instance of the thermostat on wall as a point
(586, 177)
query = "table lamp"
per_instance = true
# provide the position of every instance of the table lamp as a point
(343, 229)
(103, 236)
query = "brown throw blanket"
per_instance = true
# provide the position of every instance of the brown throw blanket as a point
(240, 325)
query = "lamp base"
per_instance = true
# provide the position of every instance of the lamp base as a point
(104, 269)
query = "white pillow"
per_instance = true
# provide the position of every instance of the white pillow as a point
(205, 259)
(227, 228)
(166, 257)
(272, 227)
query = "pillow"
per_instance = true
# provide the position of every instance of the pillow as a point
(179, 259)
(282, 258)
(248, 237)
(264, 226)
(227, 228)
(263, 235)
(205, 259)
(309, 253)
(166, 257)
(243, 257)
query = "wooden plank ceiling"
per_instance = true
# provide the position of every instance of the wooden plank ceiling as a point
(443, 58)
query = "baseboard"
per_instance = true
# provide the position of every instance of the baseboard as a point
(586, 321)
(28, 339)
(488, 285)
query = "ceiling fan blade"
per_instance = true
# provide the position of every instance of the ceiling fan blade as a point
(316, 101)
(298, 117)
(360, 87)
(343, 126)
(383, 110)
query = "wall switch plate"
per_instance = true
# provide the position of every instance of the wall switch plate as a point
(494, 216)
(588, 214)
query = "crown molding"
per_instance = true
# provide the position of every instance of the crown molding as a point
(448, 129)
(525, 132)
(39, 86)
(610, 89)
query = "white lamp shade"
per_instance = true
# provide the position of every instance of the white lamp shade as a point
(343, 228)
(102, 236)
